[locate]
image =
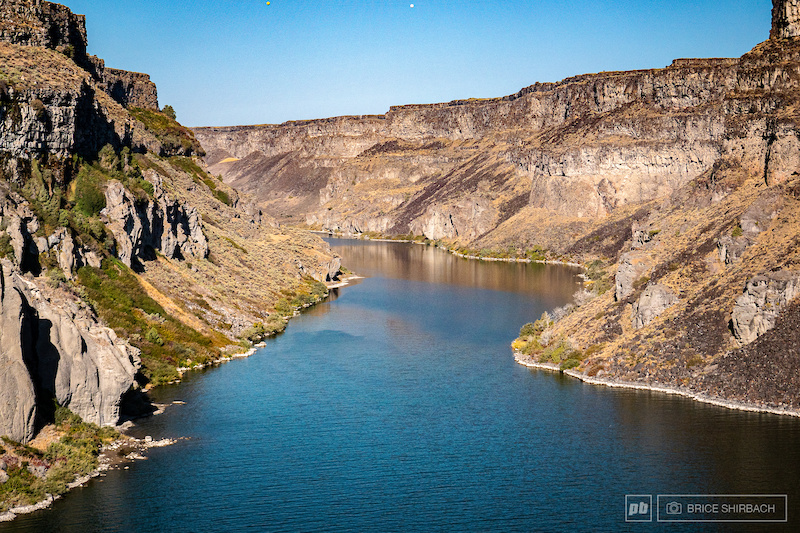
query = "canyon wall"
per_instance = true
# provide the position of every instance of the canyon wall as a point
(584, 146)
(122, 259)
(679, 187)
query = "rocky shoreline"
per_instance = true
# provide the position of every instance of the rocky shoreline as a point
(528, 361)
(116, 455)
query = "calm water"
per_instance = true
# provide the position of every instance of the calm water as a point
(397, 406)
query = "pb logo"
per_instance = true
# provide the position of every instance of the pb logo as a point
(638, 508)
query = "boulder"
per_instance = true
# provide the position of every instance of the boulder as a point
(758, 307)
(655, 299)
(632, 266)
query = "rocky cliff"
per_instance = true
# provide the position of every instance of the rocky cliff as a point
(123, 260)
(677, 185)
(54, 348)
(48, 25)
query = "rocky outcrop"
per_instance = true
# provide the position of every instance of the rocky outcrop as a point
(56, 100)
(129, 89)
(40, 23)
(468, 219)
(54, 26)
(58, 110)
(756, 219)
(143, 225)
(758, 307)
(785, 19)
(324, 270)
(632, 267)
(53, 349)
(655, 299)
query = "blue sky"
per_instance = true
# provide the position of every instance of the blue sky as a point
(227, 62)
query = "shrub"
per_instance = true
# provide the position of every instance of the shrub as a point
(222, 196)
(569, 363)
(528, 330)
(595, 270)
(169, 112)
(284, 308)
(39, 109)
(89, 196)
(737, 232)
(153, 337)
(6, 249)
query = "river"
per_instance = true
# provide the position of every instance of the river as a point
(396, 405)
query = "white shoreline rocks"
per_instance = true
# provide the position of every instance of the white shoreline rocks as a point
(527, 361)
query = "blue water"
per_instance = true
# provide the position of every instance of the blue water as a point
(397, 406)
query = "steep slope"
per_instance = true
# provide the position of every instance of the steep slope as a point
(122, 259)
(676, 186)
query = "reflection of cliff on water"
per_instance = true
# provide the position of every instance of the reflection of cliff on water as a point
(549, 283)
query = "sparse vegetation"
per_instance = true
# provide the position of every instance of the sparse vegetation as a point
(124, 305)
(33, 473)
(175, 139)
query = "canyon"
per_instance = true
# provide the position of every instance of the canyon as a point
(678, 185)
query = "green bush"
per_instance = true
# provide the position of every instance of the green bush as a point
(153, 337)
(528, 330)
(169, 112)
(284, 308)
(222, 196)
(569, 363)
(6, 249)
(89, 196)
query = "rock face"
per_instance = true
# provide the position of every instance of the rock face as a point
(54, 26)
(632, 266)
(40, 23)
(785, 19)
(63, 116)
(129, 89)
(655, 299)
(71, 103)
(324, 270)
(579, 148)
(52, 349)
(758, 307)
(753, 221)
(161, 223)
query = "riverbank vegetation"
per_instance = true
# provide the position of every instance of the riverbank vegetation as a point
(117, 296)
(64, 451)
(538, 341)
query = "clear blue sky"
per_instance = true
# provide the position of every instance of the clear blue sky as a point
(227, 62)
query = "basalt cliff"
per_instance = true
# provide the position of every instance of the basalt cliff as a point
(122, 260)
(678, 187)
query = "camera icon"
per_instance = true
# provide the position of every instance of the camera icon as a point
(674, 508)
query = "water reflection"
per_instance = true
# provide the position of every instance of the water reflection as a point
(553, 284)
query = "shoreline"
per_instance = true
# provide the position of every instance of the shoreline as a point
(526, 361)
(359, 236)
(110, 458)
